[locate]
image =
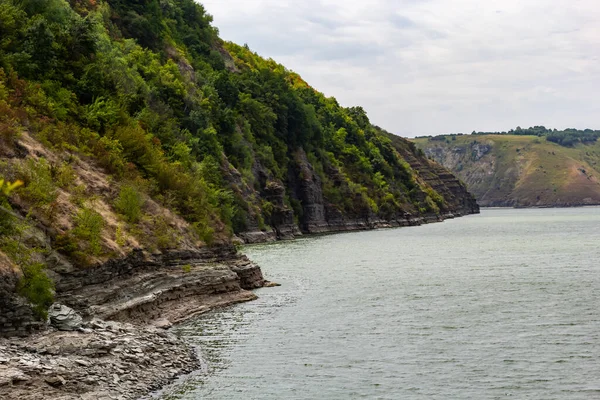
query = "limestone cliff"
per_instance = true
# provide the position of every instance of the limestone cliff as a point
(318, 214)
(520, 170)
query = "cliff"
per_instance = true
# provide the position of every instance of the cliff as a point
(520, 170)
(147, 147)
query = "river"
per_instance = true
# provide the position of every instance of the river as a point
(502, 304)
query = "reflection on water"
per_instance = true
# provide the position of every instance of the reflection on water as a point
(481, 307)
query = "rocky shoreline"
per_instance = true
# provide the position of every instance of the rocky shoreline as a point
(124, 350)
(103, 360)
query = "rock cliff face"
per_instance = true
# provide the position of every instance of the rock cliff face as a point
(317, 214)
(459, 200)
(141, 287)
(174, 286)
(520, 171)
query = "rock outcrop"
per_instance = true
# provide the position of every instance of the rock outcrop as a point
(95, 359)
(144, 287)
(64, 318)
(140, 287)
(318, 215)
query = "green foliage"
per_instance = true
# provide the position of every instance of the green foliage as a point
(120, 236)
(8, 219)
(165, 236)
(142, 88)
(40, 188)
(88, 228)
(63, 175)
(37, 287)
(129, 203)
(34, 284)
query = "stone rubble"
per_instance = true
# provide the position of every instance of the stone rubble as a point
(102, 360)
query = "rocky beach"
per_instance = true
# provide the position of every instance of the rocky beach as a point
(102, 360)
(82, 355)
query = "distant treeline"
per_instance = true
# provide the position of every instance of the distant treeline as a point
(568, 137)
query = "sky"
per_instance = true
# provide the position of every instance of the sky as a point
(421, 67)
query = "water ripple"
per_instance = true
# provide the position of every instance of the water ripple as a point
(505, 304)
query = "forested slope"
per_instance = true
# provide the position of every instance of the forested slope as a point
(133, 126)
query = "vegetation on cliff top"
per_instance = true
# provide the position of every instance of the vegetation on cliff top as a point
(567, 137)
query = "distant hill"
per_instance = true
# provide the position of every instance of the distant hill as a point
(546, 169)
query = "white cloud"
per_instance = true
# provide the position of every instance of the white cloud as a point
(435, 66)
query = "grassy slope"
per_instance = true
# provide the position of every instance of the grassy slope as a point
(521, 170)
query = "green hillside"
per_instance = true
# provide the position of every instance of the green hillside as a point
(133, 126)
(521, 170)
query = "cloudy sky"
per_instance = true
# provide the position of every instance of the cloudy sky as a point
(435, 66)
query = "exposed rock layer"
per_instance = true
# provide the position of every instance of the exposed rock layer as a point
(141, 287)
(112, 359)
(321, 216)
(520, 171)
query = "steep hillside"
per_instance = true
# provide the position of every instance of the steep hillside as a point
(521, 170)
(147, 146)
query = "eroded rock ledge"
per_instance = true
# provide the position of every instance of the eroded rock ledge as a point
(143, 288)
(141, 295)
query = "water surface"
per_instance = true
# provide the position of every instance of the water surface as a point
(502, 304)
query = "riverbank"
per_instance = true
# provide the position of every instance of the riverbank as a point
(136, 354)
(104, 360)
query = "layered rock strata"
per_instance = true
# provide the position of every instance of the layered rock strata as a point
(321, 216)
(141, 295)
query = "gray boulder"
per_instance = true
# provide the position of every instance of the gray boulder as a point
(64, 318)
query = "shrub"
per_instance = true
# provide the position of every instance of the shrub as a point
(120, 236)
(66, 244)
(130, 203)
(40, 188)
(165, 236)
(88, 227)
(63, 175)
(37, 287)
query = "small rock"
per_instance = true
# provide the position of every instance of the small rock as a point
(162, 323)
(55, 381)
(90, 380)
(271, 284)
(12, 375)
(83, 363)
